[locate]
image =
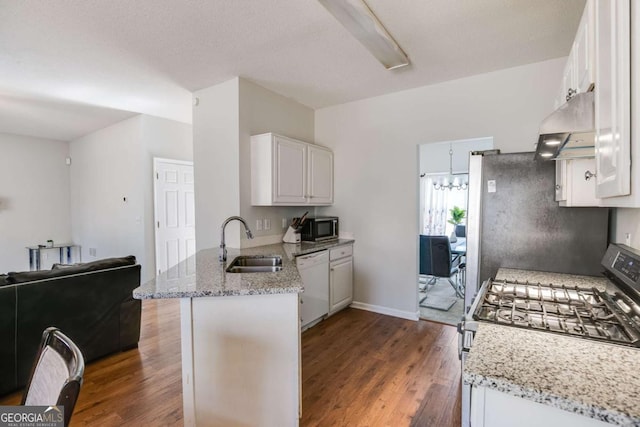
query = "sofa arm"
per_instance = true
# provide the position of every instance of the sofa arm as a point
(130, 315)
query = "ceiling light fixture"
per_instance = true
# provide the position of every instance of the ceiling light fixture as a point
(360, 21)
(452, 182)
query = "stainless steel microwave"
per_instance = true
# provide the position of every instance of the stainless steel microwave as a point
(318, 229)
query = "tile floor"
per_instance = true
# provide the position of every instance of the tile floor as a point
(442, 288)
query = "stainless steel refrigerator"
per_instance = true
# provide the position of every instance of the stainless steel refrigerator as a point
(514, 221)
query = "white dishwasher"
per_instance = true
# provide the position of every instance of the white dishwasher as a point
(314, 301)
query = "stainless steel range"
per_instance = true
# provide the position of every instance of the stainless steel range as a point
(611, 315)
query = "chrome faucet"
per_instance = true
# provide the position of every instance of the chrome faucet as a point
(222, 257)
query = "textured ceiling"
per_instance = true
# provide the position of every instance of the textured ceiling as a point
(147, 56)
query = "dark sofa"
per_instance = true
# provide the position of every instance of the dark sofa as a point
(91, 303)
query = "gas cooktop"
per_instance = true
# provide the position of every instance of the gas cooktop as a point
(587, 313)
(612, 316)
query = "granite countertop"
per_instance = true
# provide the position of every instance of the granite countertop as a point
(202, 275)
(303, 248)
(585, 377)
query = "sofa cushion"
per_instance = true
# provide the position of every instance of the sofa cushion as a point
(58, 265)
(102, 264)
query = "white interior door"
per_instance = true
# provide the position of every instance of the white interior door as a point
(174, 212)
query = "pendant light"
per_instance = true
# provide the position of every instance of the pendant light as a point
(457, 181)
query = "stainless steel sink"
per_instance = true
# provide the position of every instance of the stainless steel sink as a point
(255, 264)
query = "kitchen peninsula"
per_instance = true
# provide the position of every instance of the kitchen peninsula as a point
(240, 337)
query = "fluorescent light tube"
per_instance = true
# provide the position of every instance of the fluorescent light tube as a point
(360, 21)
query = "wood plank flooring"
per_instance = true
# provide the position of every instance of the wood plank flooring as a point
(359, 369)
(366, 369)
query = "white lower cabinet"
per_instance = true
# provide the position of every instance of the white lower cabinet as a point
(492, 408)
(340, 278)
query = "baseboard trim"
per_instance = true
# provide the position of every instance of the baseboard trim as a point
(386, 310)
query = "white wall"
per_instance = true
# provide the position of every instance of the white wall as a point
(34, 198)
(112, 186)
(223, 121)
(105, 170)
(166, 139)
(376, 162)
(626, 220)
(264, 111)
(216, 163)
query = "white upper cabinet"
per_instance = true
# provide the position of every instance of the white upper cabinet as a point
(602, 59)
(288, 172)
(320, 175)
(583, 52)
(579, 74)
(613, 98)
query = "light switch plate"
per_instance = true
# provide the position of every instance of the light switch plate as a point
(267, 223)
(491, 186)
(258, 225)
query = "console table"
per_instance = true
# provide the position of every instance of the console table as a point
(35, 254)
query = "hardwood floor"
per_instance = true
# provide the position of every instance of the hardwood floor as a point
(359, 369)
(366, 369)
(139, 387)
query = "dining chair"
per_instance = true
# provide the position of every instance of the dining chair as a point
(56, 375)
(436, 261)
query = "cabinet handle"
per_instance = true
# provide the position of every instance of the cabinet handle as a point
(333, 269)
(571, 93)
(588, 175)
(558, 187)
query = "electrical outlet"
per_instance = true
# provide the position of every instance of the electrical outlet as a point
(267, 223)
(285, 223)
(627, 239)
(258, 225)
(92, 252)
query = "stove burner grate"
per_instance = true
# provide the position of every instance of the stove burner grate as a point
(573, 311)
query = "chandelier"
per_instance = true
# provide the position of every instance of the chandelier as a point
(457, 181)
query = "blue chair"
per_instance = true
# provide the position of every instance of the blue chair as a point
(436, 261)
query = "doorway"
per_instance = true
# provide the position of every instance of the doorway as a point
(444, 185)
(174, 209)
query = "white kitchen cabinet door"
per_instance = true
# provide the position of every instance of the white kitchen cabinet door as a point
(580, 183)
(320, 180)
(579, 72)
(492, 408)
(568, 77)
(340, 284)
(612, 98)
(583, 51)
(290, 171)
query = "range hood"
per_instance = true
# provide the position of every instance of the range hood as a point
(569, 132)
